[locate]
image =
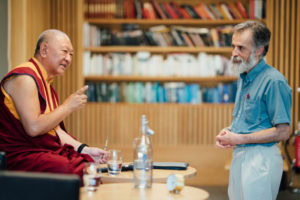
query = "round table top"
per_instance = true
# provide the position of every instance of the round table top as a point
(126, 191)
(159, 175)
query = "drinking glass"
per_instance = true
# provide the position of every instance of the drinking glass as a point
(91, 176)
(114, 164)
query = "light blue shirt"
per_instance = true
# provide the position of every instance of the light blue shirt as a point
(263, 100)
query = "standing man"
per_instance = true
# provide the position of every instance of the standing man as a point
(261, 117)
(32, 132)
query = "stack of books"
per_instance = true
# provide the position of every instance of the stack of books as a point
(153, 9)
(139, 92)
(132, 35)
(145, 64)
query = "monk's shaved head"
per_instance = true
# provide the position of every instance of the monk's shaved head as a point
(47, 36)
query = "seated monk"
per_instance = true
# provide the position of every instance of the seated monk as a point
(32, 132)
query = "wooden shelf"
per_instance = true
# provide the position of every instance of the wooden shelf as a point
(212, 105)
(203, 80)
(156, 49)
(165, 21)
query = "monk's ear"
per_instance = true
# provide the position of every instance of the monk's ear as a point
(43, 49)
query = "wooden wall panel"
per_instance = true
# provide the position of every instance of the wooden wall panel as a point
(29, 18)
(173, 124)
(66, 15)
(285, 42)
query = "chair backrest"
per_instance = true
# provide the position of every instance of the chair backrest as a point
(38, 186)
(2, 160)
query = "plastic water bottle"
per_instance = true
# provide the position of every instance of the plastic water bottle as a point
(142, 164)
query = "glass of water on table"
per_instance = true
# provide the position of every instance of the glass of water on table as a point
(91, 176)
(114, 164)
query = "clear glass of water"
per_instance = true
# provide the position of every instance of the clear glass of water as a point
(114, 164)
(91, 176)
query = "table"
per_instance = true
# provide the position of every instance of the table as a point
(126, 191)
(159, 175)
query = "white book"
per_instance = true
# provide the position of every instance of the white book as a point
(202, 60)
(143, 62)
(116, 64)
(86, 34)
(99, 64)
(107, 65)
(86, 63)
(170, 62)
(128, 64)
(219, 68)
(211, 67)
(258, 9)
(156, 65)
(93, 70)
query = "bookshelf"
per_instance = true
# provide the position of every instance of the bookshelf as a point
(200, 80)
(187, 128)
(132, 49)
(184, 132)
(93, 16)
(166, 21)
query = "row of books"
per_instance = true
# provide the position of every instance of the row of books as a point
(147, 64)
(138, 92)
(154, 9)
(158, 36)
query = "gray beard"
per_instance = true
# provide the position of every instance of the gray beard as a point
(243, 66)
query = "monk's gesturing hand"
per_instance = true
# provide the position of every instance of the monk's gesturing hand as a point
(77, 100)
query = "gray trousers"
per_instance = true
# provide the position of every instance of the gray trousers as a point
(255, 173)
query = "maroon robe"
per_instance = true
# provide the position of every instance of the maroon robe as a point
(43, 153)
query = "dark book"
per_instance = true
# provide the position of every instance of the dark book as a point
(105, 37)
(91, 92)
(190, 10)
(177, 38)
(133, 38)
(159, 11)
(164, 11)
(138, 9)
(129, 9)
(216, 11)
(119, 9)
(149, 38)
(176, 10)
(171, 13)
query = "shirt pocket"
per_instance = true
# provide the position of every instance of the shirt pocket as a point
(251, 111)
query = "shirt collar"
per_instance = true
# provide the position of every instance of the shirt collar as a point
(249, 77)
(43, 71)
